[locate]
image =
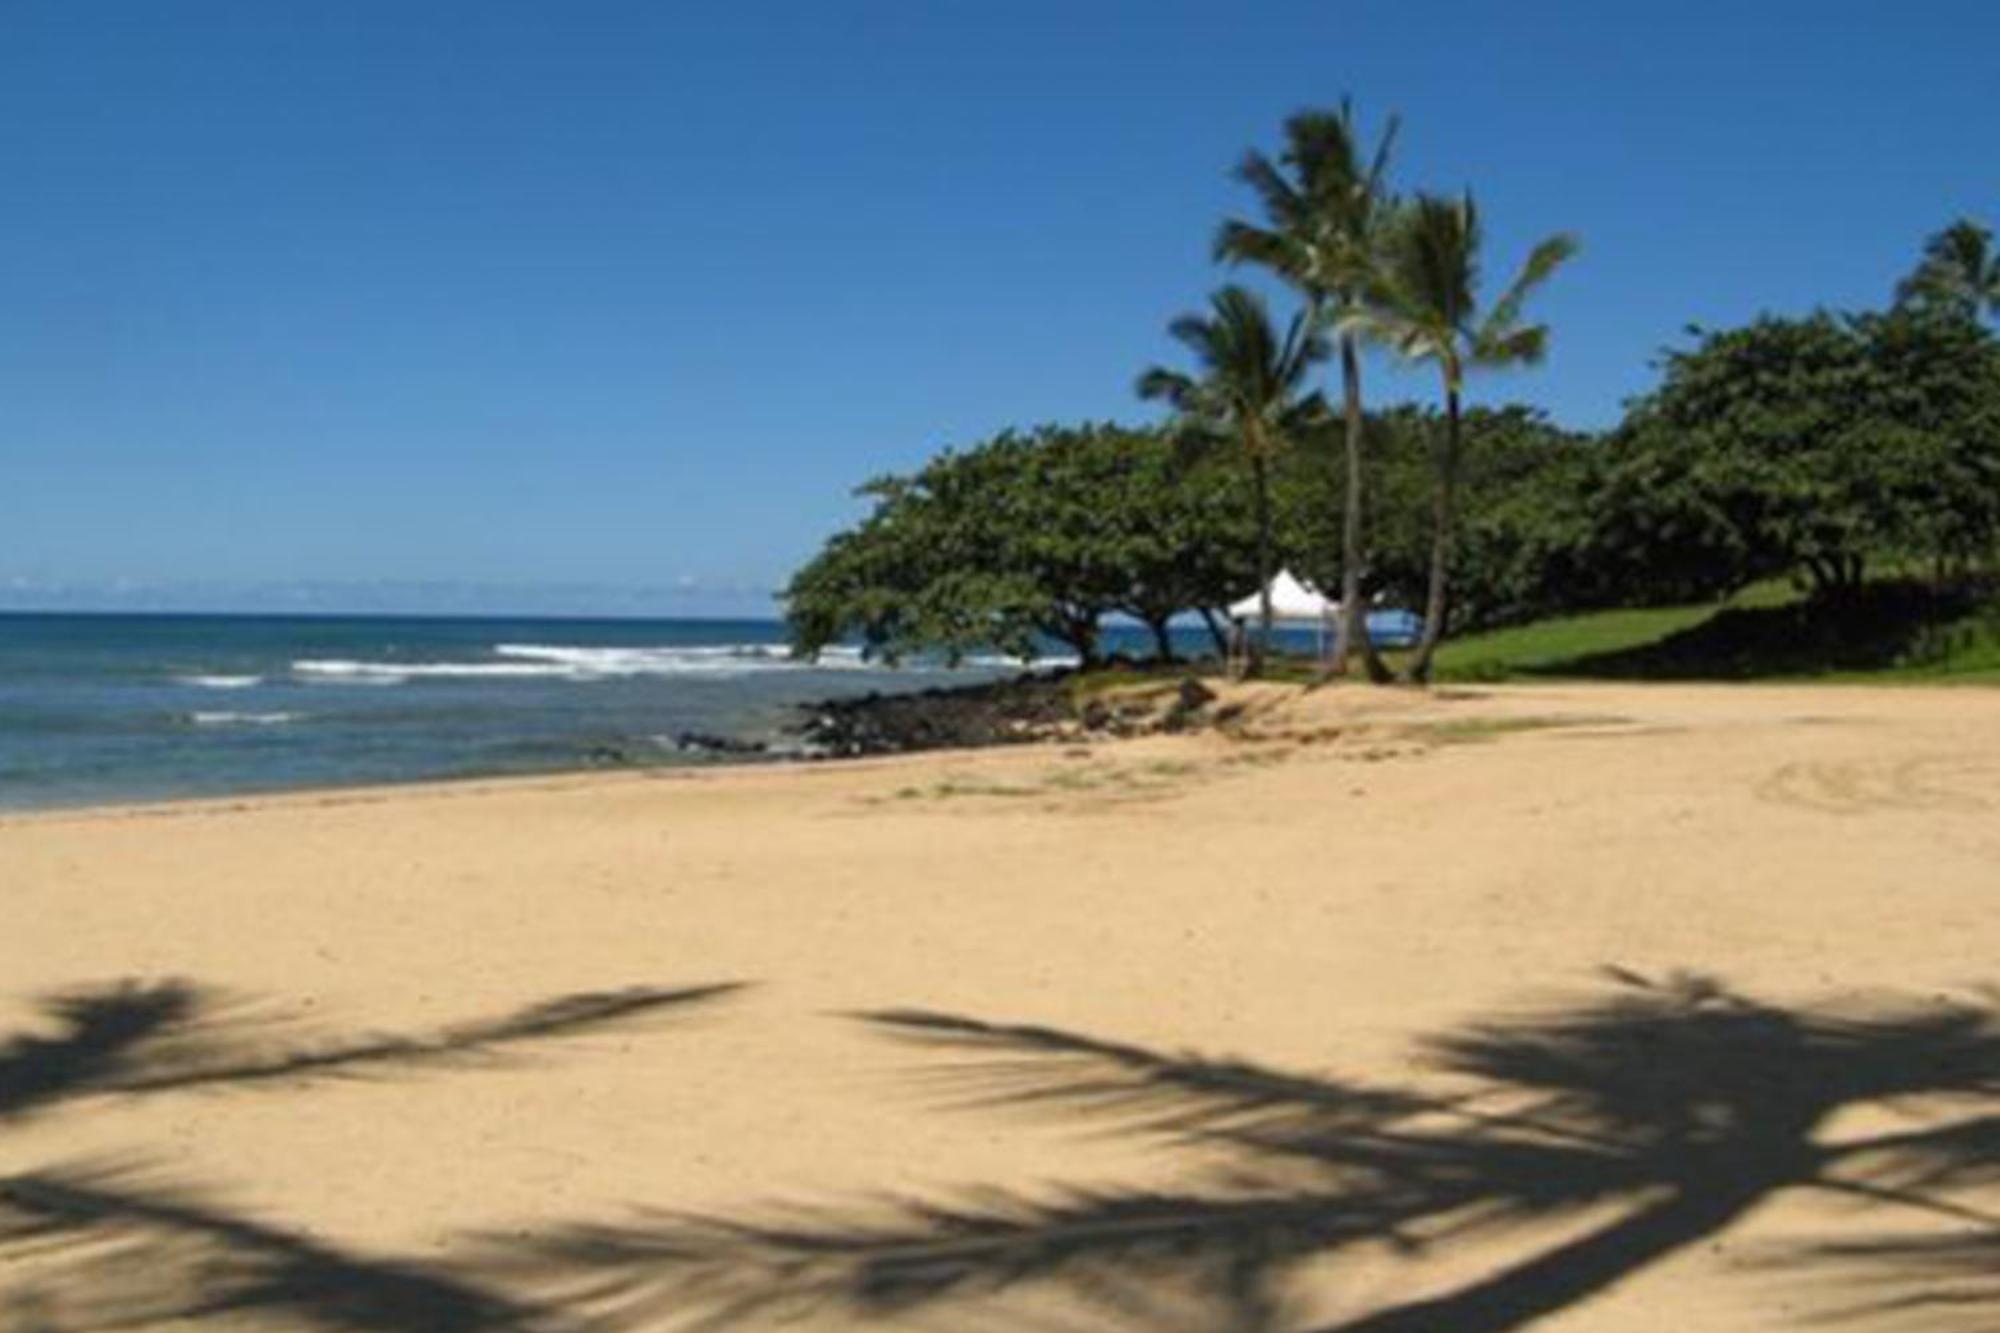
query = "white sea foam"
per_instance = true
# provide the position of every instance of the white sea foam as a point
(395, 673)
(707, 659)
(220, 682)
(995, 662)
(735, 659)
(574, 662)
(241, 719)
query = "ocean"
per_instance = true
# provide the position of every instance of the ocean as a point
(113, 708)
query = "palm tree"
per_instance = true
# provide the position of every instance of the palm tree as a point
(1424, 302)
(1960, 272)
(1325, 224)
(1248, 392)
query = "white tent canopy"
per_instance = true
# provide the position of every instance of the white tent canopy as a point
(1291, 600)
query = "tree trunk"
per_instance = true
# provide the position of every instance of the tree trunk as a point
(1353, 614)
(1163, 639)
(1444, 517)
(1215, 631)
(1079, 631)
(1261, 645)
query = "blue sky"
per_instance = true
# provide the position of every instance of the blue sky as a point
(607, 306)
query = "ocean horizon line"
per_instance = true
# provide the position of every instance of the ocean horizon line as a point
(552, 617)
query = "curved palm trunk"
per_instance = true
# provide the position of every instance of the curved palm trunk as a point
(1352, 622)
(1261, 644)
(1444, 518)
(1353, 612)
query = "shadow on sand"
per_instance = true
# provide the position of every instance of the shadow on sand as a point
(1636, 1123)
(115, 1245)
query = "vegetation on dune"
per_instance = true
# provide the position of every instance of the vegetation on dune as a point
(1848, 460)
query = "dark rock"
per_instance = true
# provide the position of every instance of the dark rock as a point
(710, 743)
(1024, 710)
(1194, 695)
(1189, 700)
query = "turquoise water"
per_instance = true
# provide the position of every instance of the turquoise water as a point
(97, 708)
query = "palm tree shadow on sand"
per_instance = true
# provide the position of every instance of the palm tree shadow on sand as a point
(107, 1245)
(1639, 1122)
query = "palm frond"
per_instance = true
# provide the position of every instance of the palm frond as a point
(1195, 333)
(1550, 255)
(1282, 202)
(1320, 145)
(1238, 242)
(1960, 271)
(1375, 183)
(1248, 375)
(1513, 347)
(1324, 206)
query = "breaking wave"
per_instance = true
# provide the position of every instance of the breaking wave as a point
(537, 661)
(219, 682)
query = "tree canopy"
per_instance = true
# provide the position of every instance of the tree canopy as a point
(1814, 445)
(1030, 536)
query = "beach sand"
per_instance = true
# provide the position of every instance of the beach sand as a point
(1365, 873)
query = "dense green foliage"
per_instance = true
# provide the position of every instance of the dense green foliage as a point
(1818, 447)
(1027, 535)
(1036, 534)
(1518, 479)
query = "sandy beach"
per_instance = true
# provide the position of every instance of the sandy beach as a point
(1320, 900)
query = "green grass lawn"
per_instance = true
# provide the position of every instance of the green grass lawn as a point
(1545, 646)
(1891, 631)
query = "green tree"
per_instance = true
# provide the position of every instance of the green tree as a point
(1934, 390)
(1026, 537)
(1179, 533)
(1326, 212)
(1424, 302)
(919, 573)
(1960, 273)
(1823, 445)
(1756, 422)
(1248, 393)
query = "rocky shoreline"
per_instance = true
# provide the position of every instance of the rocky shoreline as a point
(1026, 710)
